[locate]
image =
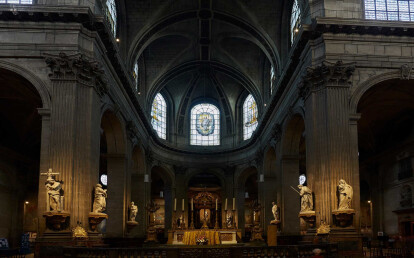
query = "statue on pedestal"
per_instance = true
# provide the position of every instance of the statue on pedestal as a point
(53, 189)
(345, 195)
(99, 202)
(133, 210)
(306, 200)
(275, 214)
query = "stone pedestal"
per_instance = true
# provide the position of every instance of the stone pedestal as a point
(272, 235)
(343, 218)
(257, 234)
(151, 235)
(131, 225)
(309, 217)
(95, 219)
(56, 220)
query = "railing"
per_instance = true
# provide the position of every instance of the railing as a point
(239, 251)
(388, 252)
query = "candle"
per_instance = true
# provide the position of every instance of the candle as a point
(146, 178)
(182, 205)
(216, 204)
(225, 206)
(161, 194)
(192, 203)
(234, 203)
(261, 178)
(175, 204)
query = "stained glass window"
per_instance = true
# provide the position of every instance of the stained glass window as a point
(159, 116)
(294, 21)
(16, 1)
(205, 125)
(135, 75)
(250, 114)
(392, 10)
(111, 15)
(272, 79)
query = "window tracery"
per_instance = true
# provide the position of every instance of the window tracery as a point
(250, 114)
(295, 19)
(135, 75)
(392, 10)
(159, 116)
(205, 125)
(16, 1)
(111, 15)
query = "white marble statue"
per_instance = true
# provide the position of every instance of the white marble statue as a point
(306, 200)
(53, 188)
(99, 202)
(229, 219)
(133, 210)
(345, 195)
(274, 211)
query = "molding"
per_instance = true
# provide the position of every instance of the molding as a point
(77, 68)
(326, 75)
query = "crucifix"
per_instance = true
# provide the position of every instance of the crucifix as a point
(53, 189)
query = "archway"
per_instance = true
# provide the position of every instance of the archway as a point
(113, 162)
(386, 153)
(138, 190)
(248, 193)
(161, 194)
(206, 197)
(293, 164)
(271, 186)
(20, 156)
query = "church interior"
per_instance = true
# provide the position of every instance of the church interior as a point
(206, 128)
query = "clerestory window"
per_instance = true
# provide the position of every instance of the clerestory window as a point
(250, 114)
(391, 10)
(205, 125)
(159, 116)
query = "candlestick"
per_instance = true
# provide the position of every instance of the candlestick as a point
(225, 206)
(192, 204)
(182, 205)
(234, 203)
(175, 204)
(216, 203)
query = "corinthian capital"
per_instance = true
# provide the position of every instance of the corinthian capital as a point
(77, 68)
(327, 74)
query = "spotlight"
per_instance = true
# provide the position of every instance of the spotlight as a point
(296, 30)
(369, 201)
(118, 40)
(26, 202)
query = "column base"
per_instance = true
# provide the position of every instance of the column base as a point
(272, 235)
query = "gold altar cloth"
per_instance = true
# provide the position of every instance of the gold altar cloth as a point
(190, 236)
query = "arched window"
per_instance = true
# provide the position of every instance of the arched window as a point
(272, 79)
(159, 116)
(250, 114)
(135, 75)
(16, 1)
(294, 21)
(205, 125)
(392, 10)
(111, 15)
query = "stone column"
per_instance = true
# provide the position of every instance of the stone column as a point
(44, 165)
(117, 199)
(72, 136)
(331, 145)
(290, 205)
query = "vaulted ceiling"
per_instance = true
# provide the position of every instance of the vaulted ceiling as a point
(213, 49)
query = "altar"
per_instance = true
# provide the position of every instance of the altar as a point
(214, 236)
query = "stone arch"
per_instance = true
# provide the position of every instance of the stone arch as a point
(292, 138)
(161, 174)
(384, 130)
(113, 156)
(23, 151)
(141, 40)
(364, 86)
(247, 182)
(33, 79)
